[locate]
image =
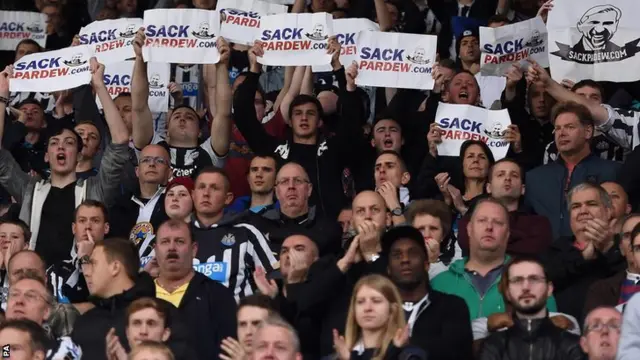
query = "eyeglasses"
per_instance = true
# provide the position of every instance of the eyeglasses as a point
(599, 327)
(531, 279)
(153, 159)
(30, 296)
(296, 181)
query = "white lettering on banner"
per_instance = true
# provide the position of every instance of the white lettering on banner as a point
(395, 60)
(52, 70)
(589, 39)
(295, 39)
(241, 18)
(16, 26)
(346, 32)
(460, 123)
(112, 40)
(117, 78)
(514, 43)
(181, 36)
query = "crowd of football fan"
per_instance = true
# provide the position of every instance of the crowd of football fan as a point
(276, 213)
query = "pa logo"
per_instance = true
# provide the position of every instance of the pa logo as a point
(35, 28)
(495, 131)
(318, 33)
(154, 82)
(76, 60)
(203, 32)
(418, 57)
(129, 31)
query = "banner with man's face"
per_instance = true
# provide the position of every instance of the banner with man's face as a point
(117, 78)
(16, 26)
(112, 40)
(594, 39)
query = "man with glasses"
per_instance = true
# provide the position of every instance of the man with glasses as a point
(137, 215)
(295, 215)
(601, 333)
(526, 289)
(619, 288)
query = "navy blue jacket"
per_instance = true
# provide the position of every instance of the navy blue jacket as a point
(547, 188)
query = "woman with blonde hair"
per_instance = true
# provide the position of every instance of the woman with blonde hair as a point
(376, 328)
(150, 350)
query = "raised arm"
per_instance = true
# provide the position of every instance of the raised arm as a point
(288, 76)
(294, 90)
(142, 127)
(117, 127)
(221, 124)
(382, 13)
(298, 7)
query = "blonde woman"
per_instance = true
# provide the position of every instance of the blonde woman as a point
(376, 328)
(149, 350)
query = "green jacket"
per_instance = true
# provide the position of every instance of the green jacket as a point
(457, 282)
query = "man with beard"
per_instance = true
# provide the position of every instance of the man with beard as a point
(601, 333)
(575, 262)
(526, 289)
(208, 308)
(438, 322)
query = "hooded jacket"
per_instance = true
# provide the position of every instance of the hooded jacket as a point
(456, 281)
(536, 339)
(90, 329)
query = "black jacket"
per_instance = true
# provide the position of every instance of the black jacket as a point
(572, 275)
(536, 339)
(90, 329)
(325, 161)
(209, 310)
(443, 328)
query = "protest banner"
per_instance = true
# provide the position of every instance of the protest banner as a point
(240, 19)
(295, 39)
(346, 32)
(117, 78)
(511, 44)
(186, 36)
(466, 122)
(16, 26)
(281, 2)
(395, 60)
(591, 39)
(112, 40)
(52, 70)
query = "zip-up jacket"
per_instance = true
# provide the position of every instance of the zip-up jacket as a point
(324, 161)
(537, 339)
(456, 281)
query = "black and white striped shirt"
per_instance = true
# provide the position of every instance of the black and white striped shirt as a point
(229, 252)
(622, 127)
(190, 77)
(46, 99)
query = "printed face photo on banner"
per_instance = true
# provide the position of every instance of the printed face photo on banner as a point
(501, 47)
(112, 40)
(117, 78)
(240, 19)
(52, 70)
(460, 123)
(16, 26)
(395, 60)
(592, 40)
(181, 36)
(346, 32)
(295, 39)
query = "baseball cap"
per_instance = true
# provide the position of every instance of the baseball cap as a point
(183, 180)
(402, 232)
(29, 101)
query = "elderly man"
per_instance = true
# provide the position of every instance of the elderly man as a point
(601, 333)
(276, 335)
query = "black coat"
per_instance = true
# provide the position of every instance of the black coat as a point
(209, 310)
(443, 328)
(536, 339)
(90, 329)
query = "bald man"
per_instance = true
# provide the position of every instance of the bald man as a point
(295, 215)
(369, 222)
(136, 216)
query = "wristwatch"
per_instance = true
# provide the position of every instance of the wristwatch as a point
(86, 259)
(397, 211)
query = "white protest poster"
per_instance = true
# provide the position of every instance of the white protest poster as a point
(594, 39)
(514, 43)
(186, 36)
(295, 39)
(282, 2)
(16, 26)
(52, 70)
(460, 123)
(240, 19)
(395, 60)
(117, 78)
(112, 40)
(346, 32)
